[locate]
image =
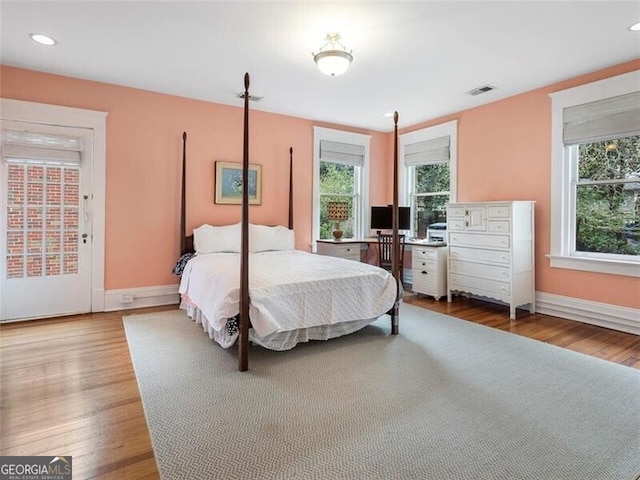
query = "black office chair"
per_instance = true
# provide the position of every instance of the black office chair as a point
(385, 252)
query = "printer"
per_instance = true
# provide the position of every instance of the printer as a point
(437, 232)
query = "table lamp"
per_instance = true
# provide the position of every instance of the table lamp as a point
(337, 212)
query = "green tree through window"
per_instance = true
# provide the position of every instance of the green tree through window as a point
(431, 189)
(336, 185)
(607, 197)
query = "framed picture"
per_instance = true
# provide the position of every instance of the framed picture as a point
(229, 183)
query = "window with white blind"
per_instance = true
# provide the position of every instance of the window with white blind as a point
(595, 208)
(429, 157)
(341, 174)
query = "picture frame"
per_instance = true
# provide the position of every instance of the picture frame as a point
(228, 183)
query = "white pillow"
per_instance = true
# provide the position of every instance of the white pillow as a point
(263, 238)
(210, 239)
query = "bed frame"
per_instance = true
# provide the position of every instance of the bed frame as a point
(186, 241)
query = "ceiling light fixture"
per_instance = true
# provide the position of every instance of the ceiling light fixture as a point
(42, 39)
(635, 27)
(333, 59)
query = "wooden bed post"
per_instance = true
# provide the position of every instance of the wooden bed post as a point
(243, 362)
(395, 257)
(183, 206)
(290, 188)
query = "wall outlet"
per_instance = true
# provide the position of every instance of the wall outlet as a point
(126, 298)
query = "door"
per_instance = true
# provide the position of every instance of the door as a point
(45, 219)
(476, 218)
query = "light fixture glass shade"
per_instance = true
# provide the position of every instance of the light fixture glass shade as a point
(333, 62)
(42, 39)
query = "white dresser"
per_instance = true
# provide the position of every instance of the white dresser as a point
(491, 251)
(342, 249)
(429, 270)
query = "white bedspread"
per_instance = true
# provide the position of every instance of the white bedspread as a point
(288, 290)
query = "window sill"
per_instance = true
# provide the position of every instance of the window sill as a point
(614, 267)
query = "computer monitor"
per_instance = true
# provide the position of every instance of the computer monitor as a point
(382, 218)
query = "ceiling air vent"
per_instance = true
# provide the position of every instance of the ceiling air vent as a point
(481, 90)
(252, 98)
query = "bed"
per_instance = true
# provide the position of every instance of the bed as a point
(247, 282)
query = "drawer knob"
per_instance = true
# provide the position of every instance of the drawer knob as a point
(424, 272)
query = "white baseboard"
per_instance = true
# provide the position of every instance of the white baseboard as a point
(602, 314)
(128, 298)
(97, 300)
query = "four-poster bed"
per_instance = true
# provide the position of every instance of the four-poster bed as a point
(288, 296)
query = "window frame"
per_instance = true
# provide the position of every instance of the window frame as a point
(361, 179)
(407, 173)
(563, 174)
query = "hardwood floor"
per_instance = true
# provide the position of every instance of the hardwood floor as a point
(68, 385)
(611, 345)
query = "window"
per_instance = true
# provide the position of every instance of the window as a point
(429, 157)
(596, 177)
(341, 174)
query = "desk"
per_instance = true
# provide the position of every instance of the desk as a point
(428, 260)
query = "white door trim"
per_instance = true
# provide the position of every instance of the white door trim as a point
(76, 117)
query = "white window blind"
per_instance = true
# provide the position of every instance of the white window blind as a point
(344, 153)
(19, 146)
(605, 119)
(430, 151)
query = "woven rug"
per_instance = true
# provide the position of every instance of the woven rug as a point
(445, 399)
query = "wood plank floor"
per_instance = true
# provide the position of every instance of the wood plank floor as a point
(68, 385)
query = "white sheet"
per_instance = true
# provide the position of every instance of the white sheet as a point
(288, 290)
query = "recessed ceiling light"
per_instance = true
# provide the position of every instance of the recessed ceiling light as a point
(635, 27)
(42, 39)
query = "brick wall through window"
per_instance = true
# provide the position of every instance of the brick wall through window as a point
(43, 220)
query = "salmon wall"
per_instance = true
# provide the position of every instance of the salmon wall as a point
(504, 153)
(143, 167)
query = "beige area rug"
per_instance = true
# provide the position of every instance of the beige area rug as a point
(446, 399)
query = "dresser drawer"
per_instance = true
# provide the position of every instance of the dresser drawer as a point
(496, 241)
(499, 226)
(350, 251)
(455, 224)
(423, 282)
(479, 255)
(424, 253)
(479, 285)
(499, 211)
(458, 211)
(419, 265)
(496, 272)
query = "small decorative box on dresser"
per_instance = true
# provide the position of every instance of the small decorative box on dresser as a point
(491, 251)
(429, 270)
(350, 251)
